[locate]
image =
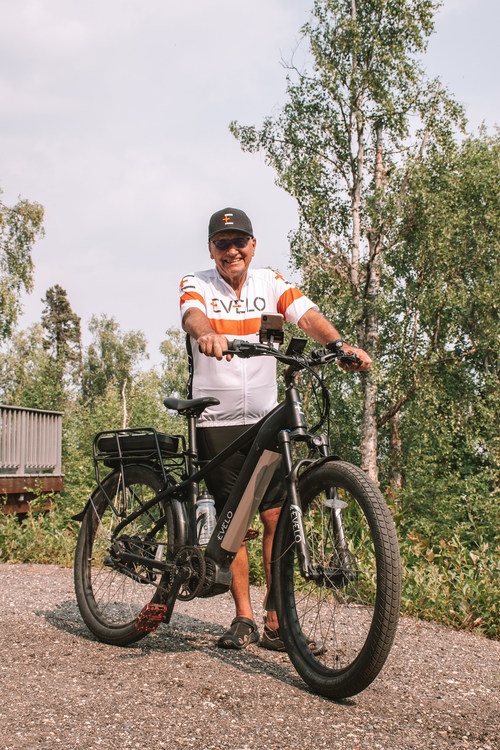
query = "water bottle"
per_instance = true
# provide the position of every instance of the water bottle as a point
(205, 517)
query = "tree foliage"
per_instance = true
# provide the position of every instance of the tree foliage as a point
(113, 357)
(441, 340)
(62, 338)
(174, 370)
(398, 241)
(26, 372)
(20, 225)
(62, 326)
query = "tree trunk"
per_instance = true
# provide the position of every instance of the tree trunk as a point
(124, 397)
(369, 427)
(395, 452)
(370, 343)
(357, 174)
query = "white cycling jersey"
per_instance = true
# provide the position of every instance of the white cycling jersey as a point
(246, 388)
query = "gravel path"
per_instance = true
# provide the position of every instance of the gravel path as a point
(60, 687)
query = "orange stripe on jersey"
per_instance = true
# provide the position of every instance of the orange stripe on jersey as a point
(235, 327)
(287, 298)
(188, 296)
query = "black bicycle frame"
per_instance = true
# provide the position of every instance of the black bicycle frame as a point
(271, 440)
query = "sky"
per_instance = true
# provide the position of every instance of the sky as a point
(115, 118)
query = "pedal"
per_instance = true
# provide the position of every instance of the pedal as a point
(251, 534)
(150, 617)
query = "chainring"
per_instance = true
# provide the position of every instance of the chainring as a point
(191, 557)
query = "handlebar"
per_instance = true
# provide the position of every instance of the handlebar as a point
(322, 356)
(298, 361)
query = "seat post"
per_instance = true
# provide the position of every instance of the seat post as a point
(191, 408)
(193, 486)
(192, 445)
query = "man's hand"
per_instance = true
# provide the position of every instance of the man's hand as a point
(197, 325)
(319, 328)
(365, 358)
(213, 344)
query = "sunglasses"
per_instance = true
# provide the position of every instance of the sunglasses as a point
(238, 242)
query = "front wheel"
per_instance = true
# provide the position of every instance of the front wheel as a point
(111, 594)
(338, 628)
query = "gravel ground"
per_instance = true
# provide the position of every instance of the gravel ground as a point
(174, 689)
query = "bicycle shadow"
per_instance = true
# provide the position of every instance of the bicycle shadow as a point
(184, 634)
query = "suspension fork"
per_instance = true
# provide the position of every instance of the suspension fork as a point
(291, 481)
(336, 506)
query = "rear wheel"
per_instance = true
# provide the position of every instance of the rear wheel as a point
(338, 629)
(111, 594)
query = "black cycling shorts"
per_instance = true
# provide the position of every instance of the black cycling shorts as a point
(211, 441)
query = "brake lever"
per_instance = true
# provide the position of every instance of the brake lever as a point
(237, 348)
(237, 353)
(344, 357)
(317, 354)
(325, 355)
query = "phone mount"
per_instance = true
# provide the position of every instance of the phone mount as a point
(271, 328)
(271, 336)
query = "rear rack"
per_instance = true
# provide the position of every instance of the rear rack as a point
(117, 448)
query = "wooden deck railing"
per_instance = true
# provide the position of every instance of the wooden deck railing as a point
(30, 456)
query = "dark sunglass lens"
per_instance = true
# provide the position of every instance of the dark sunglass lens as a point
(223, 244)
(240, 242)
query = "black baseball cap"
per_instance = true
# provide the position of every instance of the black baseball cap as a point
(229, 219)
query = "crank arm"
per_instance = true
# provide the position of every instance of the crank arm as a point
(181, 577)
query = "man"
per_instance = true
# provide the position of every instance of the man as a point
(223, 303)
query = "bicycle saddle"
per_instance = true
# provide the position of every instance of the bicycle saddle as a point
(190, 407)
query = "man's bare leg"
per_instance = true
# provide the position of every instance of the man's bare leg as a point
(269, 519)
(240, 588)
(240, 569)
(240, 634)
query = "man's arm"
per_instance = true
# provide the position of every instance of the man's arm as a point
(321, 330)
(197, 325)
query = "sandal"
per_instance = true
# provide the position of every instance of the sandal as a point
(241, 634)
(273, 642)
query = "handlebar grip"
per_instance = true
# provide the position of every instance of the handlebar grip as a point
(350, 359)
(234, 344)
(233, 347)
(346, 357)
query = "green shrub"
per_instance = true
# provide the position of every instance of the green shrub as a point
(452, 583)
(47, 538)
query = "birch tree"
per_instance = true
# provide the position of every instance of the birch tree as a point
(360, 111)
